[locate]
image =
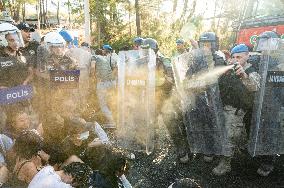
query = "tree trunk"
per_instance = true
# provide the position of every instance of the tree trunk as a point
(138, 21)
(45, 15)
(175, 6)
(98, 25)
(17, 9)
(24, 12)
(2, 5)
(57, 13)
(40, 11)
(129, 17)
(69, 13)
(38, 14)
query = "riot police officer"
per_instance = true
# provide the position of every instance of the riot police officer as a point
(237, 89)
(58, 77)
(165, 105)
(105, 73)
(180, 47)
(203, 111)
(138, 41)
(211, 41)
(29, 50)
(16, 72)
(265, 130)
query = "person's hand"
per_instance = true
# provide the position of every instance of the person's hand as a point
(95, 143)
(193, 43)
(240, 71)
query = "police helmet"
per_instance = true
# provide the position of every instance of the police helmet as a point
(150, 43)
(107, 47)
(209, 37)
(138, 41)
(67, 36)
(7, 28)
(269, 34)
(179, 41)
(54, 39)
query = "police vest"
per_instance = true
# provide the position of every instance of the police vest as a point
(13, 70)
(30, 53)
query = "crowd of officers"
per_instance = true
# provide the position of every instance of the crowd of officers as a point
(54, 136)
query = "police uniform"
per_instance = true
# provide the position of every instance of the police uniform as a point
(238, 96)
(30, 52)
(14, 71)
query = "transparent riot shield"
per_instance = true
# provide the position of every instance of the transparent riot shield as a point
(136, 99)
(201, 103)
(83, 59)
(180, 66)
(16, 91)
(58, 85)
(267, 125)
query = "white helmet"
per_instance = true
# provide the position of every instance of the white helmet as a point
(54, 39)
(6, 28)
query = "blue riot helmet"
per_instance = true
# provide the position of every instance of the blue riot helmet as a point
(67, 36)
(150, 43)
(210, 40)
(179, 41)
(138, 41)
(107, 47)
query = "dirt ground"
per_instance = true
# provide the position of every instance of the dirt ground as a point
(161, 168)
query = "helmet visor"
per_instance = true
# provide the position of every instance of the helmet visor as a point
(14, 40)
(205, 45)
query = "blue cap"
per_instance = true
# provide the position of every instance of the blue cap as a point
(138, 40)
(107, 47)
(179, 41)
(239, 49)
(66, 35)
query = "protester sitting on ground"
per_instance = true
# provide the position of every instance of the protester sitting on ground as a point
(17, 121)
(5, 143)
(112, 173)
(29, 157)
(80, 136)
(73, 175)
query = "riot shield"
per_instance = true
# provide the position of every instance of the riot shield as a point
(202, 106)
(58, 86)
(267, 125)
(180, 67)
(136, 99)
(15, 91)
(83, 59)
